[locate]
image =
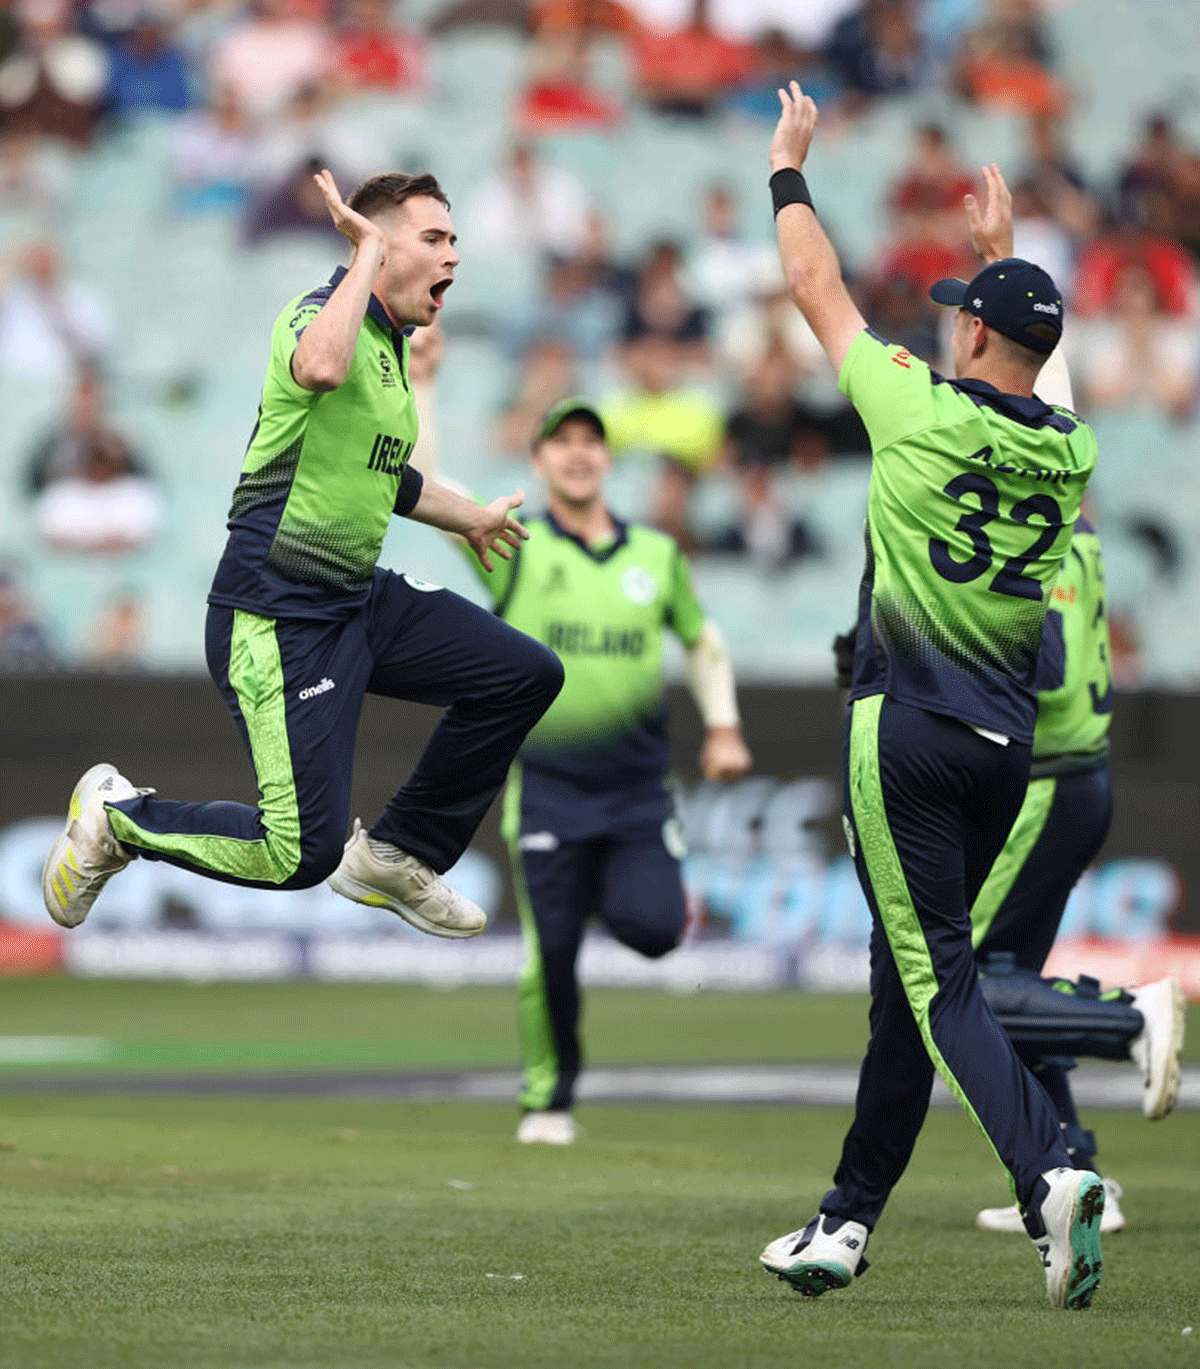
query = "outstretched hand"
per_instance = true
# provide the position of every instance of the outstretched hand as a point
(991, 223)
(495, 531)
(794, 131)
(356, 229)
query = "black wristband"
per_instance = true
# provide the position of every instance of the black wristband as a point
(788, 187)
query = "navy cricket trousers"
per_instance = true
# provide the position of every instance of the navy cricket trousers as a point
(575, 854)
(1058, 833)
(929, 803)
(295, 688)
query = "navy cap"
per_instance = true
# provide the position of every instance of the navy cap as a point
(1009, 295)
(574, 406)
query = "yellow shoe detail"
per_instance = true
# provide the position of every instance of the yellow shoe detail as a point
(375, 900)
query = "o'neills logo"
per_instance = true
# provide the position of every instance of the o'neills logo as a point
(313, 690)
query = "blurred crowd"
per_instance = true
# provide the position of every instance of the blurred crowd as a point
(711, 377)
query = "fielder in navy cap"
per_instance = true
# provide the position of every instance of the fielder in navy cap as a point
(1012, 297)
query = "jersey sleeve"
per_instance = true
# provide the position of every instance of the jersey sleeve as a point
(289, 327)
(684, 616)
(888, 386)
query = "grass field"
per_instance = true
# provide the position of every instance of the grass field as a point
(224, 1232)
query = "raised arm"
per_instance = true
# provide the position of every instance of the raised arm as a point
(991, 226)
(325, 351)
(809, 260)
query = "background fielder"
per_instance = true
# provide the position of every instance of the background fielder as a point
(588, 814)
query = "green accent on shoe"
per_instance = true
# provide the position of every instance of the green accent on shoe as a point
(1087, 1263)
(812, 1280)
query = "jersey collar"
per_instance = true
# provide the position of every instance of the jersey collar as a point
(1029, 410)
(375, 309)
(605, 552)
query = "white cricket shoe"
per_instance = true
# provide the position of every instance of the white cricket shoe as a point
(551, 1128)
(1008, 1219)
(1157, 1047)
(87, 855)
(826, 1254)
(383, 876)
(1063, 1222)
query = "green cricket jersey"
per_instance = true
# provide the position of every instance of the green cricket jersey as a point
(323, 474)
(972, 500)
(1074, 676)
(602, 610)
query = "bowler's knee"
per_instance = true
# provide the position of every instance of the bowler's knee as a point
(545, 672)
(650, 939)
(318, 860)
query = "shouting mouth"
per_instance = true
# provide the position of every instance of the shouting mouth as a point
(438, 292)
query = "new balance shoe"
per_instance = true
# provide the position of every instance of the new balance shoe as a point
(1063, 1222)
(1157, 1047)
(382, 876)
(549, 1128)
(826, 1254)
(87, 855)
(1008, 1219)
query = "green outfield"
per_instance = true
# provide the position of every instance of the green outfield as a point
(289, 1231)
(305, 1026)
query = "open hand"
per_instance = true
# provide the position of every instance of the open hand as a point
(794, 131)
(356, 229)
(495, 531)
(724, 755)
(991, 223)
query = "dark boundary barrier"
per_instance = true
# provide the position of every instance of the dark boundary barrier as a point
(175, 733)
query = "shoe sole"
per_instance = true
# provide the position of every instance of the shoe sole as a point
(812, 1280)
(1087, 1265)
(357, 892)
(1168, 1094)
(57, 865)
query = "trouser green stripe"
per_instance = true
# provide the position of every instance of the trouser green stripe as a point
(909, 948)
(256, 676)
(538, 1053)
(1039, 798)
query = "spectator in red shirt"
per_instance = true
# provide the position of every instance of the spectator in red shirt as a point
(560, 97)
(689, 72)
(369, 53)
(1103, 263)
(934, 179)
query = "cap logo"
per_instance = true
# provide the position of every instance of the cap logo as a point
(1045, 308)
(977, 302)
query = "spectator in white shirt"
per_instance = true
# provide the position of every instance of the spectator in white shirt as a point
(525, 207)
(102, 504)
(48, 325)
(270, 56)
(1139, 356)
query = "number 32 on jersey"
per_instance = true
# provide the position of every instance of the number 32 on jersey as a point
(1010, 578)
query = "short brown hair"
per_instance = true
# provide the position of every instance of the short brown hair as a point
(393, 188)
(1026, 356)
